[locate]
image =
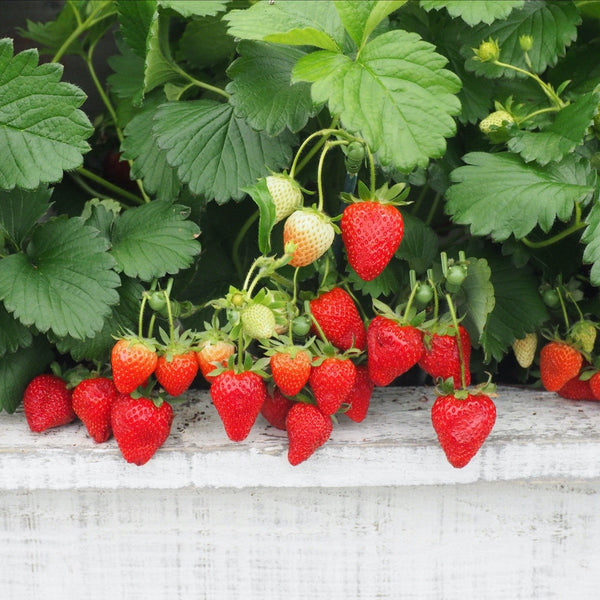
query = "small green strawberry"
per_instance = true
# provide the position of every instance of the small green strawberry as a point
(583, 334)
(496, 126)
(286, 194)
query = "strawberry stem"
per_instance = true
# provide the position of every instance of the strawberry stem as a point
(326, 148)
(292, 302)
(170, 315)
(372, 182)
(141, 316)
(461, 357)
(563, 308)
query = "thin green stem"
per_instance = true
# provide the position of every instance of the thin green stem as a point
(419, 201)
(436, 300)
(536, 113)
(372, 178)
(141, 316)
(292, 303)
(325, 134)
(461, 357)
(413, 291)
(563, 308)
(201, 84)
(170, 316)
(574, 228)
(235, 251)
(109, 186)
(433, 208)
(572, 299)
(240, 349)
(326, 148)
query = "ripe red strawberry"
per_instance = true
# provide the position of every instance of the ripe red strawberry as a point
(308, 429)
(212, 354)
(132, 361)
(595, 385)
(577, 389)
(441, 358)
(286, 194)
(238, 398)
(290, 370)
(312, 234)
(392, 349)
(331, 382)
(462, 425)
(140, 427)
(47, 403)
(275, 409)
(92, 402)
(338, 317)
(177, 372)
(359, 397)
(559, 362)
(371, 232)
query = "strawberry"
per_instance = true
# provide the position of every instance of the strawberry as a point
(441, 358)
(238, 398)
(308, 429)
(595, 385)
(275, 408)
(132, 361)
(290, 370)
(371, 232)
(583, 335)
(312, 234)
(140, 427)
(559, 362)
(212, 354)
(392, 349)
(286, 195)
(359, 397)
(258, 321)
(577, 389)
(93, 399)
(176, 372)
(338, 318)
(496, 126)
(524, 349)
(47, 403)
(462, 422)
(331, 381)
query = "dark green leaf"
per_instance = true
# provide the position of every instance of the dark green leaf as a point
(591, 237)
(474, 11)
(42, 131)
(205, 42)
(259, 192)
(477, 299)
(499, 194)
(385, 284)
(419, 246)
(20, 210)
(101, 215)
(135, 19)
(216, 153)
(195, 8)
(154, 239)
(13, 334)
(261, 89)
(127, 81)
(64, 282)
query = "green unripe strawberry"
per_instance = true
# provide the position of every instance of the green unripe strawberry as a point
(258, 321)
(488, 51)
(495, 126)
(524, 349)
(286, 195)
(583, 334)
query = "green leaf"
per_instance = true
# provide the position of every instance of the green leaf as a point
(562, 137)
(64, 282)
(195, 8)
(101, 215)
(419, 246)
(20, 210)
(552, 24)
(216, 153)
(261, 89)
(123, 317)
(360, 18)
(135, 19)
(386, 283)
(13, 334)
(500, 195)
(19, 368)
(297, 23)
(259, 192)
(388, 95)
(477, 299)
(127, 81)
(518, 308)
(591, 237)
(206, 43)
(42, 131)
(154, 239)
(149, 161)
(474, 11)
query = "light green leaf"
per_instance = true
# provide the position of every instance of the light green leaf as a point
(261, 90)
(154, 240)
(205, 42)
(500, 195)
(42, 131)
(388, 95)
(293, 22)
(518, 308)
(149, 161)
(20, 210)
(474, 11)
(19, 368)
(64, 282)
(216, 153)
(101, 215)
(419, 245)
(195, 8)
(259, 192)
(13, 334)
(477, 299)
(127, 81)
(361, 17)
(563, 136)
(591, 237)
(123, 317)
(136, 19)
(552, 24)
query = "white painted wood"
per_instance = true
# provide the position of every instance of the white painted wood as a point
(377, 513)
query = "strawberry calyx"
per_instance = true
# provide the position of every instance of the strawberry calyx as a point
(395, 195)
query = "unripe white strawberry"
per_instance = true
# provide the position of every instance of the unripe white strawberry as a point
(583, 334)
(286, 195)
(258, 321)
(312, 234)
(525, 348)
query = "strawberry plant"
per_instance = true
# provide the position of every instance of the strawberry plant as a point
(394, 191)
